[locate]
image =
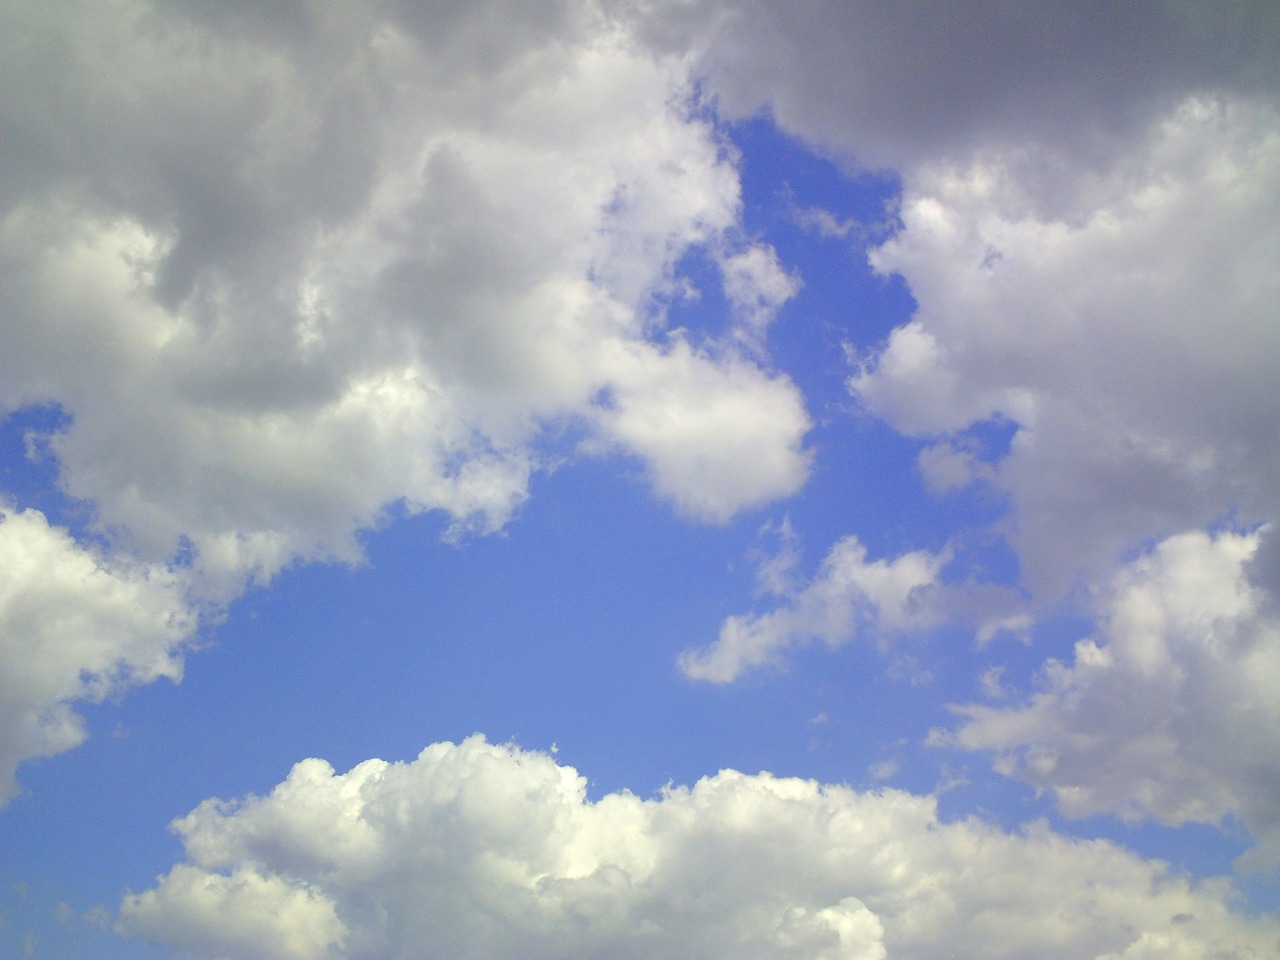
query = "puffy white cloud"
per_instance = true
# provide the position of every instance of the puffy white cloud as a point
(285, 270)
(1171, 711)
(848, 594)
(75, 627)
(478, 850)
(1131, 336)
(716, 435)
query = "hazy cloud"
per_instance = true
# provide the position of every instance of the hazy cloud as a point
(848, 594)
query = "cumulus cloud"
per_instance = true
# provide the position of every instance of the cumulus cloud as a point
(284, 271)
(848, 594)
(1132, 338)
(1088, 225)
(477, 850)
(1170, 711)
(716, 435)
(75, 626)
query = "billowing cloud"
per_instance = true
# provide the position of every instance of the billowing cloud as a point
(1170, 712)
(477, 850)
(75, 627)
(287, 269)
(1131, 337)
(848, 594)
(283, 272)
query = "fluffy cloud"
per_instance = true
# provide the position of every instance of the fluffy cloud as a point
(74, 626)
(286, 270)
(287, 267)
(848, 593)
(1131, 336)
(1171, 711)
(477, 850)
(1088, 226)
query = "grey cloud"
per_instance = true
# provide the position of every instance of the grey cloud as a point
(890, 85)
(262, 243)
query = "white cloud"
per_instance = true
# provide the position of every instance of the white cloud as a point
(848, 594)
(1131, 336)
(756, 286)
(477, 850)
(75, 627)
(716, 435)
(1171, 711)
(284, 272)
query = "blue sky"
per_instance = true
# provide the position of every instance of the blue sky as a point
(708, 478)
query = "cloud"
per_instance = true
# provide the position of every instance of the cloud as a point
(1088, 225)
(847, 594)
(716, 435)
(1130, 336)
(892, 86)
(75, 626)
(482, 850)
(1170, 711)
(286, 271)
(756, 286)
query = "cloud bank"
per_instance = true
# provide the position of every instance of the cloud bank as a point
(477, 850)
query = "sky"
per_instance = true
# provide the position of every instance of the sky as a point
(639, 478)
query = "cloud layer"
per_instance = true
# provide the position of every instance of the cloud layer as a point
(478, 850)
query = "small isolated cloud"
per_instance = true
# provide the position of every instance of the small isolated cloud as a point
(756, 286)
(948, 466)
(1170, 712)
(848, 594)
(822, 222)
(477, 850)
(718, 435)
(75, 626)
